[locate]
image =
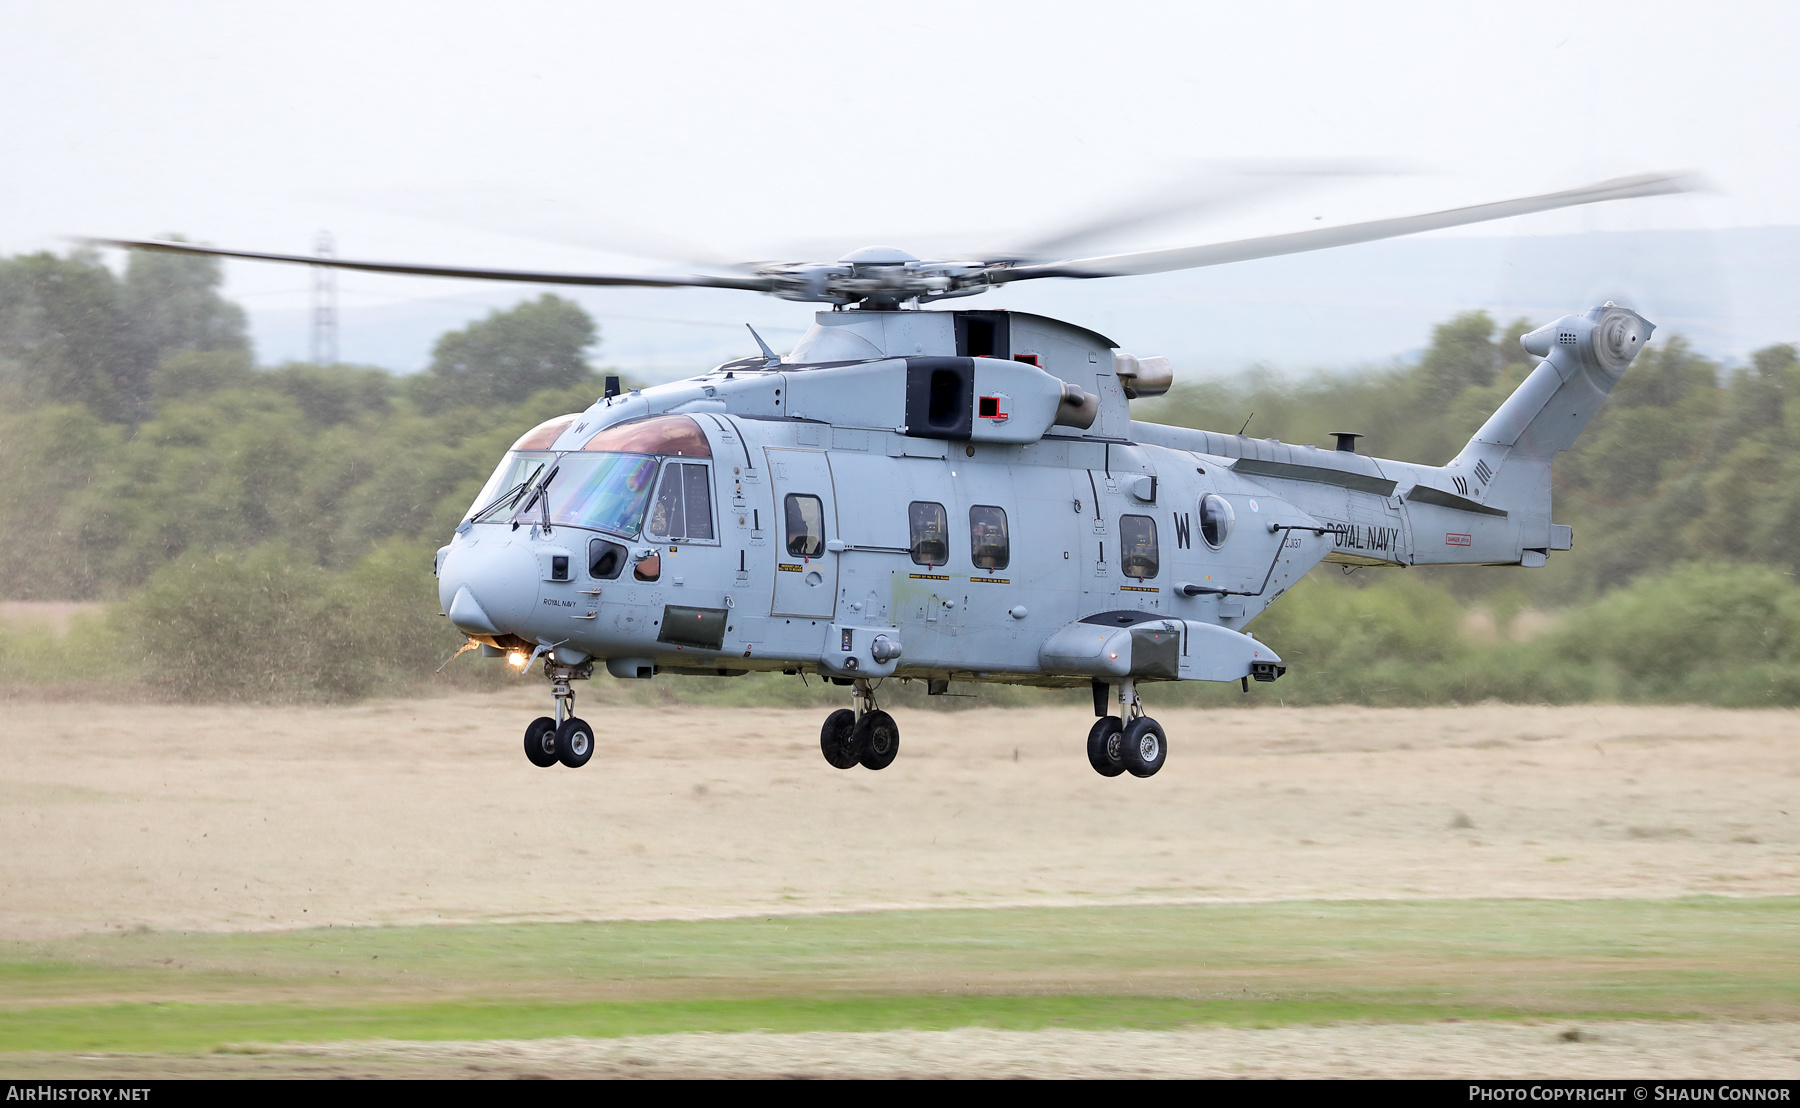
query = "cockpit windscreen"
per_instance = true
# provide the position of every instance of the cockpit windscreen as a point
(605, 492)
(604, 486)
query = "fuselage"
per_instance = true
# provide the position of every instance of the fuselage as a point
(786, 516)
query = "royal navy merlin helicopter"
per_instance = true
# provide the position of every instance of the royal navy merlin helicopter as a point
(941, 495)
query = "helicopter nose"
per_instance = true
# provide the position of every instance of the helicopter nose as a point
(488, 585)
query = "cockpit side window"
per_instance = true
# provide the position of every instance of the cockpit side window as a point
(930, 528)
(697, 491)
(805, 525)
(683, 505)
(1137, 542)
(989, 545)
(605, 559)
(667, 517)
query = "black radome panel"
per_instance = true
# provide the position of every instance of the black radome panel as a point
(685, 626)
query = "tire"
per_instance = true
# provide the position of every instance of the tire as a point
(1103, 747)
(574, 742)
(878, 737)
(540, 742)
(838, 739)
(1143, 747)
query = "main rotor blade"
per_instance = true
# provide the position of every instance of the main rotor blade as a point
(752, 284)
(1214, 187)
(1269, 246)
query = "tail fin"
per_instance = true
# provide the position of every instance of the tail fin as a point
(1505, 468)
(1584, 356)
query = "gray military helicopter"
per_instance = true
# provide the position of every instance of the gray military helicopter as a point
(934, 495)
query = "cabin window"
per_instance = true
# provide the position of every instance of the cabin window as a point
(805, 526)
(930, 528)
(1137, 546)
(989, 547)
(605, 559)
(683, 507)
(1216, 518)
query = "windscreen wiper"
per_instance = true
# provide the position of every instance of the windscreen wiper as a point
(510, 495)
(540, 496)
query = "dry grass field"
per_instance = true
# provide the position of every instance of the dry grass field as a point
(182, 831)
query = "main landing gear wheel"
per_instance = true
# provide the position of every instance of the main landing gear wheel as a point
(1143, 747)
(839, 741)
(1104, 751)
(540, 742)
(574, 743)
(878, 737)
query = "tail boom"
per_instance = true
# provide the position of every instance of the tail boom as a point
(1493, 499)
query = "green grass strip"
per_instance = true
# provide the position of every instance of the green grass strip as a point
(194, 1028)
(1101, 967)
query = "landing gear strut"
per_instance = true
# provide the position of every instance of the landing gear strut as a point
(862, 735)
(567, 738)
(1135, 742)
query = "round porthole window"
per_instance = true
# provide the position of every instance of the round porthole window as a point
(1216, 518)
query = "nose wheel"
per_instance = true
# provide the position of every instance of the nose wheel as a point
(1128, 742)
(862, 735)
(566, 738)
(574, 742)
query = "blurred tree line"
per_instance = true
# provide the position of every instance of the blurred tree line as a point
(271, 529)
(136, 429)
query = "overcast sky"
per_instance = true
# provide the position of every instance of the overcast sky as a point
(638, 137)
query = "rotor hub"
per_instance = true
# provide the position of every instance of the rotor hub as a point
(877, 255)
(878, 276)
